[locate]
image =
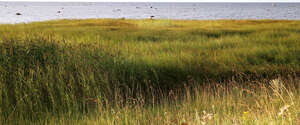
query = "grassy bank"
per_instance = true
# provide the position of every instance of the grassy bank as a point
(64, 71)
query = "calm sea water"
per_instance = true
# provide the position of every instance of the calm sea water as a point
(200, 11)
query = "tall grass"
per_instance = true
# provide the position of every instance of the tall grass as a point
(61, 72)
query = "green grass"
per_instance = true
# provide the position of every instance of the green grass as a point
(109, 71)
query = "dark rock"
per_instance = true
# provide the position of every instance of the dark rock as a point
(18, 14)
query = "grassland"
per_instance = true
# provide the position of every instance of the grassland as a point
(110, 71)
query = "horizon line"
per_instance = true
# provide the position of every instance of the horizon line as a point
(95, 1)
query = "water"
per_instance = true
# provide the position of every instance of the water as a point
(192, 11)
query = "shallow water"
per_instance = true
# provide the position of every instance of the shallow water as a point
(200, 11)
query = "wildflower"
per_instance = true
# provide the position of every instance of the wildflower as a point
(245, 115)
(207, 116)
(283, 110)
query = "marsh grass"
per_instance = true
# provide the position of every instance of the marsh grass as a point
(106, 71)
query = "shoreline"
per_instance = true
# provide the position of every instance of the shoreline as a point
(79, 19)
